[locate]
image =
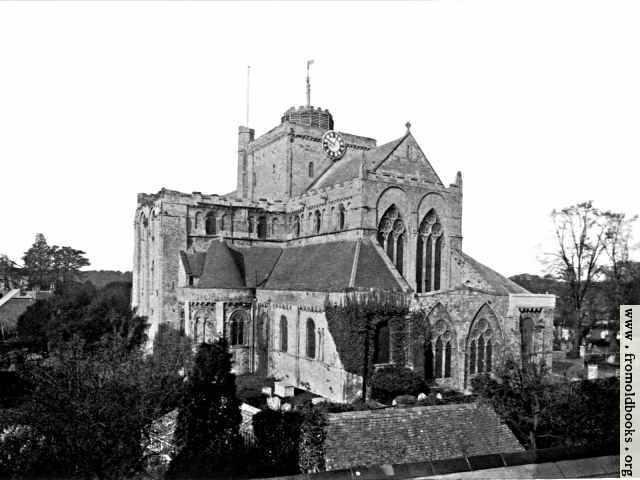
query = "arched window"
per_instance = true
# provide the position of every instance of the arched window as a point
(236, 328)
(526, 339)
(210, 224)
(341, 217)
(262, 227)
(296, 226)
(317, 221)
(429, 253)
(311, 339)
(310, 169)
(274, 226)
(198, 221)
(381, 343)
(284, 333)
(391, 236)
(480, 350)
(440, 347)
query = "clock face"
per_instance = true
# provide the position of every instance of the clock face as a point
(333, 145)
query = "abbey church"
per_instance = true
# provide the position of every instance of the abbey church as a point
(318, 212)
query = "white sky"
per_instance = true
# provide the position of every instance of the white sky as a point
(537, 103)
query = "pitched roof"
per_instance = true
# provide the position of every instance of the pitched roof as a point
(221, 269)
(305, 267)
(193, 262)
(349, 167)
(488, 279)
(407, 435)
(256, 263)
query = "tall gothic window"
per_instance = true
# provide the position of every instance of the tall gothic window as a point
(526, 339)
(236, 328)
(381, 343)
(341, 217)
(284, 333)
(310, 169)
(210, 224)
(391, 236)
(317, 221)
(311, 338)
(480, 348)
(438, 352)
(429, 253)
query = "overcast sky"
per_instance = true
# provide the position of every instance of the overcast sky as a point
(537, 103)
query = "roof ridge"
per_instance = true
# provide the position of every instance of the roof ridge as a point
(399, 141)
(354, 266)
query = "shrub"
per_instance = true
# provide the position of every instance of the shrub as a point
(277, 440)
(207, 434)
(391, 381)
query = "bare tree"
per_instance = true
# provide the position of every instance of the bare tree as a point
(581, 231)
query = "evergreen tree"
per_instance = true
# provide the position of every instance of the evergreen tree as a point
(38, 263)
(207, 431)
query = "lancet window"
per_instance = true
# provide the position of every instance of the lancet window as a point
(438, 352)
(381, 343)
(311, 338)
(480, 348)
(429, 253)
(284, 334)
(391, 236)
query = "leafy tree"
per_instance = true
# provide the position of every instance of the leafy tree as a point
(9, 273)
(80, 309)
(46, 265)
(38, 263)
(543, 413)
(581, 232)
(207, 430)
(90, 411)
(66, 262)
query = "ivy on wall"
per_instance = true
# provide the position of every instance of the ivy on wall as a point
(352, 324)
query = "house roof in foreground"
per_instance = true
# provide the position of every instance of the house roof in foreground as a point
(416, 434)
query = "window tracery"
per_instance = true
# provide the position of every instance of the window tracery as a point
(438, 351)
(429, 253)
(480, 349)
(391, 236)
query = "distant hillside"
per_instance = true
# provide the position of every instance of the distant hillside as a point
(100, 278)
(537, 284)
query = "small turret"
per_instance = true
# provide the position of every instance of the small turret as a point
(309, 117)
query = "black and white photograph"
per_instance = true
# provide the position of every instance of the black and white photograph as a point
(319, 240)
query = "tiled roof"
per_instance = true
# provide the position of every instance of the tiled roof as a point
(256, 263)
(372, 272)
(349, 167)
(193, 262)
(327, 267)
(221, 269)
(407, 435)
(496, 282)
(321, 267)
(324, 267)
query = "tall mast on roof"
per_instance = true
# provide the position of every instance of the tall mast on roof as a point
(248, 78)
(309, 63)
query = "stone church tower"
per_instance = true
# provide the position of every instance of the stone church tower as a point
(318, 212)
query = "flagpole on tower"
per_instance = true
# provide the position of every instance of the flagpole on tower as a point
(309, 63)
(248, 79)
